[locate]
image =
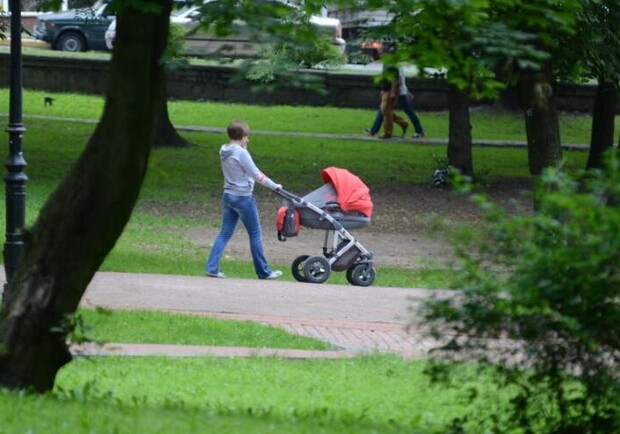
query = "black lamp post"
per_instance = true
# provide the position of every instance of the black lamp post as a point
(15, 180)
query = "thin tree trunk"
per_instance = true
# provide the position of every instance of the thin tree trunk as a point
(460, 142)
(602, 137)
(541, 119)
(81, 221)
(166, 135)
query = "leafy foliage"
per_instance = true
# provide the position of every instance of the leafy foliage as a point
(471, 40)
(172, 56)
(321, 53)
(595, 46)
(291, 40)
(279, 65)
(542, 302)
(272, 21)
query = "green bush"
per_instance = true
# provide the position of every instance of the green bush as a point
(541, 306)
(280, 63)
(320, 53)
(173, 58)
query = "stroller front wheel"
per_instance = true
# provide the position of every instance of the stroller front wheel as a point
(316, 269)
(361, 274)
(297, 268)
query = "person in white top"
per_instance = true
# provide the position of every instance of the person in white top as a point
(399, 88)
(404, 99)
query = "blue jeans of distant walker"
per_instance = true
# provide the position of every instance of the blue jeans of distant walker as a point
(403, 100)
(235, 208)
(376, 126)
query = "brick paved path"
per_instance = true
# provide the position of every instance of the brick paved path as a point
(349, 339)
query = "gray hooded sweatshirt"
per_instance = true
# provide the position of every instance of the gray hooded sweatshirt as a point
(240, 172)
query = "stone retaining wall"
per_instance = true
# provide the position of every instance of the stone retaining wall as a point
(213, 83)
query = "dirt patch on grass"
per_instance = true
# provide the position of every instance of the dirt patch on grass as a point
(410, 227)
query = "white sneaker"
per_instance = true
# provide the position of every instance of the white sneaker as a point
(218, 275)
(274, 275)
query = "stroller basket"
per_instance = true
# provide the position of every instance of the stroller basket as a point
(345, 260)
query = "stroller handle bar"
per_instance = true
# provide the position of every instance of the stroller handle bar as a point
(289, 196)
(300, 201)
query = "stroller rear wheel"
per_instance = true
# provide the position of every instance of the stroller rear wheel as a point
(361, 274)
(297, 268)
(316, 269)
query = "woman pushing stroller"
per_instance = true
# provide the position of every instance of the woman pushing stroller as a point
(240, 175)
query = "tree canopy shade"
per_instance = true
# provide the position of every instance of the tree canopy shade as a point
(84, 217)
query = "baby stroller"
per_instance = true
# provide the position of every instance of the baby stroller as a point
(342, 203)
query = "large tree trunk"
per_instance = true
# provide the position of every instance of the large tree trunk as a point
(459, 142)
(602, 137)
(542, 124)
(81, 221)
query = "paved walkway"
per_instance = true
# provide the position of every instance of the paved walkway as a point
(359, 137)
(354, 320)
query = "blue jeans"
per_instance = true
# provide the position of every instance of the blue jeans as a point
(236, 207)
(376, 126)
(403, 100)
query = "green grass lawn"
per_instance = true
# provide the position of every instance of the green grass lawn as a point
(378, 394)
(165, 328)
(371, 394)
(183, 187)
(487, 123)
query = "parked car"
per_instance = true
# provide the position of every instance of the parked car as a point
(241, 42)
(75, 30)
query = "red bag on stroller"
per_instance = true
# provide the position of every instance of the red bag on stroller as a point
(287, 222)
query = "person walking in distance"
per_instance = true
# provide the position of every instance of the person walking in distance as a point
(398, 87)
(240, 175)
(389, 88)
(404, 100)
(385, 115)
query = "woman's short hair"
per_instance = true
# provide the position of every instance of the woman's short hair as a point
(237, 130)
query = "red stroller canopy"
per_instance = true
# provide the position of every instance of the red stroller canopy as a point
(353, 194)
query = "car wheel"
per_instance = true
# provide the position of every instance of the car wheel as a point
(73, 42)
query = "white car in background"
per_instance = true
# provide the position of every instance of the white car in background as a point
(241, 42)
(110, 34)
